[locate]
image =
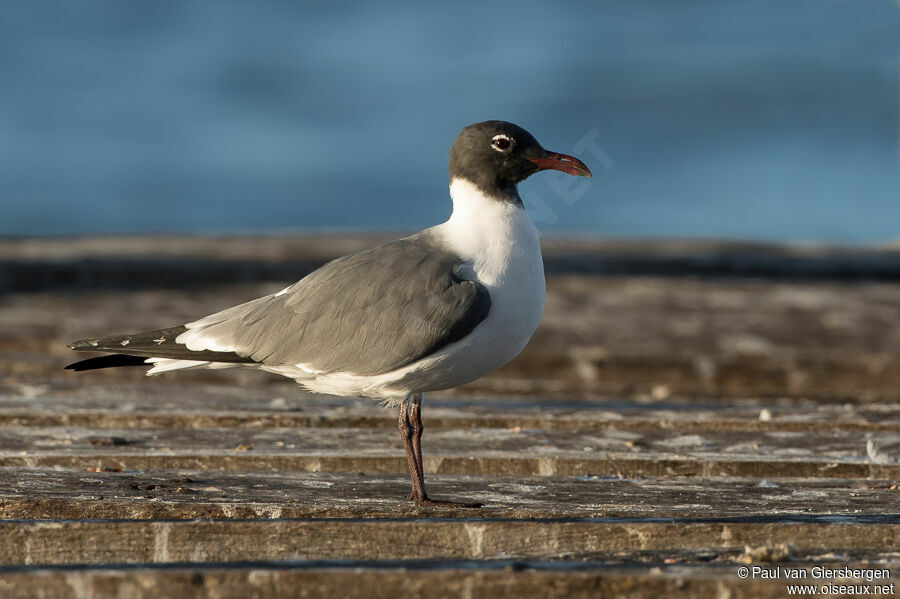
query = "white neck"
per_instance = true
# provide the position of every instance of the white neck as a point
(467, 197)
(490, 233)
(475, 210)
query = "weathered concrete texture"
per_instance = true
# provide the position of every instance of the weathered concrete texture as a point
(212, 430)
(499, 465)
(365, 582)
(163, 402)
(483, 441)
(496, 452)
(105, 542)
(37, 493)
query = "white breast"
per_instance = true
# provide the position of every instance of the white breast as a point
(502, 250)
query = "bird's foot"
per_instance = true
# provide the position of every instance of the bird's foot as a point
(427, 502)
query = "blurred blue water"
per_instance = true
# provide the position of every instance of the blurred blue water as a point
(760, 120)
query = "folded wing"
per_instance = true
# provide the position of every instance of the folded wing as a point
(368, 313)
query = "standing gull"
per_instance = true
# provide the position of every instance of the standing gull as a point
(435, 310)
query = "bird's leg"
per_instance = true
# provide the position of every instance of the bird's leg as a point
(411, 432)
(412, 460)
(415, 416)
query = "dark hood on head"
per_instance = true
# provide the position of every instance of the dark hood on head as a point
(496, 155)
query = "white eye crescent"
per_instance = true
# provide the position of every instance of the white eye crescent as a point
(501, 142)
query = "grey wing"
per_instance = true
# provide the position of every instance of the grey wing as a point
(366, 314)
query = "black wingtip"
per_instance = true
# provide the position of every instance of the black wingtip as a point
(110, 361)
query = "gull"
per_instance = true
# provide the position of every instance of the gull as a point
(435, 310)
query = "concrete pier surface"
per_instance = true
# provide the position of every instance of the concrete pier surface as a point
(685, 410)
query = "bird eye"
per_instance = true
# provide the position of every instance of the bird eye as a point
(501, 142)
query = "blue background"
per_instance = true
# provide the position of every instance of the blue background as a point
(765, 120)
